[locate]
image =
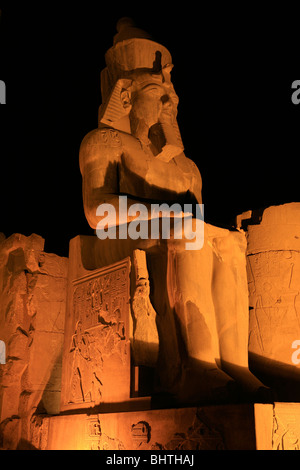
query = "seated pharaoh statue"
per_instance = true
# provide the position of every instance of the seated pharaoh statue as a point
(198, 343)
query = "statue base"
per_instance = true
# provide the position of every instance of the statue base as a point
(221, 427)
(218, 427)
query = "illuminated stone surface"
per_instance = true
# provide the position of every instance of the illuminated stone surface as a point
(205, 428)
(145, 339)
(273, 267)
(96, 363)
(200, 296)
(32, 316)
(119, 337)
(277, 426)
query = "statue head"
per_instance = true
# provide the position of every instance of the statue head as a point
(136, 84)
(149, 98)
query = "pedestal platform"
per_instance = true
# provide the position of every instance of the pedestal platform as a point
(225, 427)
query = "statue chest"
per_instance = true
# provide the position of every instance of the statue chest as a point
(144, 176)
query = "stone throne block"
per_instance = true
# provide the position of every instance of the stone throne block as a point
(96, 358)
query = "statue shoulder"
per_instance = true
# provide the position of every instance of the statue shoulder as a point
(187, 165)
(104, 144)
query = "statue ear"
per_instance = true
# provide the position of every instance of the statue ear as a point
(125, 97)
(117, 105)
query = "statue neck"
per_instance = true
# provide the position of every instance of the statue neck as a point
(140, 130)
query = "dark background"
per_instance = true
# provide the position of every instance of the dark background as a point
(233, 70)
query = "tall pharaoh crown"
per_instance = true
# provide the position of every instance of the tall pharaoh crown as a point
(133, 49)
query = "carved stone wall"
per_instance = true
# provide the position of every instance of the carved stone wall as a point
(205, 428)
(273, 265)
(277, 426)
(52, 307)
(32, 314)
(96, 359)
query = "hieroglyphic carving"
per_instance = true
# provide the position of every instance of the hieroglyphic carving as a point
(98, 440)
(93, 433)
(274, 315)
(201, 435)
(100, 342)
(286, 429)
(141, 433)
(106, 137)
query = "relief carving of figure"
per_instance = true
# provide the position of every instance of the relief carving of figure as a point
(87, 361)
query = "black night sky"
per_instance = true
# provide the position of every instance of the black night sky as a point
(233, 72)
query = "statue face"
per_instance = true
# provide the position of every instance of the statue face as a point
(151, 100)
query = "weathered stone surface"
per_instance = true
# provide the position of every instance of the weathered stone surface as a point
(96, 358)
(32, 312)
(273, 267)
(200, 296)
(145, 342)
(205, 428)
(278, 229)
(10, 431)
(277, 426)
(123, 311)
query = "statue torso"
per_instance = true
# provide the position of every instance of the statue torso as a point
(138, 171)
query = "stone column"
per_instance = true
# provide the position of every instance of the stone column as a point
(273, 264)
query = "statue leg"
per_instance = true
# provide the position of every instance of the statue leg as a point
(230, 297)
(189, 290)
(180, 283)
